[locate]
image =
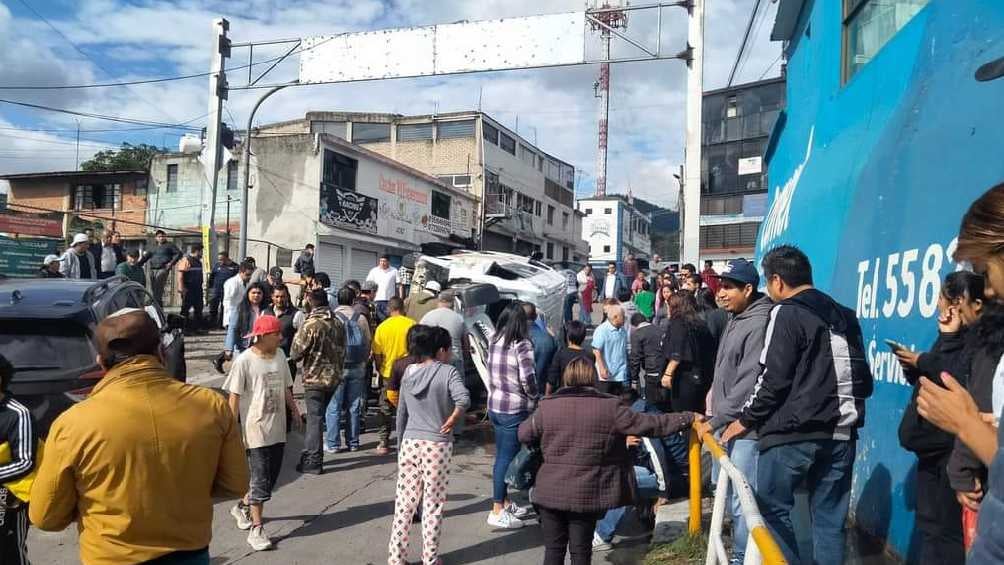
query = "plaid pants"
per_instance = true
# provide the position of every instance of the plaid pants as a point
(422, 476)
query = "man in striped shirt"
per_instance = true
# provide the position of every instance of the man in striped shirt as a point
(17, 430)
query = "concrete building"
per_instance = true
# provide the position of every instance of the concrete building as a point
(353, 204)
(613, 228)
(115, 199)
(737, 123)
(529, 194)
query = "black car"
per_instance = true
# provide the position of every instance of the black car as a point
(47, 332)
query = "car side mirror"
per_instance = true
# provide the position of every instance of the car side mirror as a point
(175, 322)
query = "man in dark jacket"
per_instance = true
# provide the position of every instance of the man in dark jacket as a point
(736, 369)
(223, 270)
(806, 406)
(305, 262)
(646, 362)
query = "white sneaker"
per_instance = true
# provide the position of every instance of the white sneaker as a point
(520, 512)
(599, 544)
(242, 514)
(258, 540)
(504, 520)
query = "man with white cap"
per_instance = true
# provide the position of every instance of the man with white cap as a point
(76, 262)
(420, 303)
(50, 268)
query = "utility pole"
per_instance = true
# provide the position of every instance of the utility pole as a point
(612, 18)
(77, 161)
(690, 206)
(217, 94)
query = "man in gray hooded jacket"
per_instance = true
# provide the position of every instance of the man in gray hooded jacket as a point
(736, 369)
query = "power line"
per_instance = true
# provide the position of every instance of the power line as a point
(771, 66)
(117, 119)
(91, 59)
(751, 44)
(99, 130)
(742, 46)
(84, 142)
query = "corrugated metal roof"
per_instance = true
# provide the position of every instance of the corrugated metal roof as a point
(66, 174)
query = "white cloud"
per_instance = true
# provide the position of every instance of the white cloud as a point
(555, 106)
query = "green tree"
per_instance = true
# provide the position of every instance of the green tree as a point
(127, 158)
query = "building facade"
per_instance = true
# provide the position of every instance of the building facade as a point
(891, 131)
(351, 203)
(614, 228)
(737, 122)
(115, 200)
(529, 194)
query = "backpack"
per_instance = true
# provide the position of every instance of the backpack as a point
(355, 350)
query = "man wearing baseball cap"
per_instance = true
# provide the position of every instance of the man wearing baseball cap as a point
(50, 268)
(137, 463)
(420, 303)
(736, 369)
(261, 390)
(76, 262)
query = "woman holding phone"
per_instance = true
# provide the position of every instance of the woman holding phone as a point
(938, 510)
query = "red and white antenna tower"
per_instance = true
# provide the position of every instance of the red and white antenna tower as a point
(609, 15)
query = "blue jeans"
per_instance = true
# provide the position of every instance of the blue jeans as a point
(648, 488)
(585, 317)
(351, 390)
(826, 467)
(744, 455)
(506, 448)
(569, 301)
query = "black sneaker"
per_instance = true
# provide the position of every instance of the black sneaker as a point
(218, 363)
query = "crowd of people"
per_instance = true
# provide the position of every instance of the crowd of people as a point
(780, 377)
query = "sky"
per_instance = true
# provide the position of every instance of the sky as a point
(60, 42)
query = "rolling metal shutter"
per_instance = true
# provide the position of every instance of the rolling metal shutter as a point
(330, 260)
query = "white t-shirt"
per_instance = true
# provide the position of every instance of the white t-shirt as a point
(108, 259)
(261, 384)
(386, 282)
(233, 293)
(608, 286)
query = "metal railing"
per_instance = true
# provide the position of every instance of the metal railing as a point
(761, 546)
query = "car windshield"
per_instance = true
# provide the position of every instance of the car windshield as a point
(42, 345)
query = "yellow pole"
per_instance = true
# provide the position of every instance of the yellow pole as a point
(694, 455)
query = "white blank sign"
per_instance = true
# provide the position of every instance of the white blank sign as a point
(490, 45)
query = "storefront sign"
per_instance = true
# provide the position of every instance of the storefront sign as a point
(347, 209)
(22, 258)
(24, 224)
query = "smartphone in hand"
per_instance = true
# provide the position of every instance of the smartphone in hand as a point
(894, 345)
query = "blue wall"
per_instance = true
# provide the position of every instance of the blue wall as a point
(871, 179)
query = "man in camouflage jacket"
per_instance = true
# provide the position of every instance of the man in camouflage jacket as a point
(320, 346)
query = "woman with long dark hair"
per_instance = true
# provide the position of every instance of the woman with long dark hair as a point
(662, 297)
(242, 319)
(708, 310)
(938, 511)
(512, 395)
(690, 354)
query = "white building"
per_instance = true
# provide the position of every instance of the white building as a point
(613, 227)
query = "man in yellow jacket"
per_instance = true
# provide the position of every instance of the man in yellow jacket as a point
(137, 463)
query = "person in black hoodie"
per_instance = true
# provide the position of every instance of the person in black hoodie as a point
(938, 511)
(806, 407)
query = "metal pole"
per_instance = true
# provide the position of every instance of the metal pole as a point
(228, 225)
(243, 238)
(691, 205)
(603, 93)
(217, 91)
(77, 161)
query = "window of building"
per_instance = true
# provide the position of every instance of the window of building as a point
(731, 107)
(440, 205)
(490, 133)
(550, 250)
(550, 215)
(729, 235)
(527, 156)
(564, 220)
(414, 132)
(607, 211)
(370, 133)
(589, 211)
(462, 180)
(606, 249)
(172, 178)
(339, 170)
(97, 197)
(463, 128)
(869, 25)
(336, 129)
(142, 186)
(507, 143)
(537, 208)
(564, 253)
(231, 175)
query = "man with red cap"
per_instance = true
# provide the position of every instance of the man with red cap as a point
(138, 462)
(261, 389)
